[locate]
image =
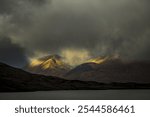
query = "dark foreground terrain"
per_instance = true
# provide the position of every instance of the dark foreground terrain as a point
(17, 80)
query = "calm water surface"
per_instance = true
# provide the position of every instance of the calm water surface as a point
(79, 95)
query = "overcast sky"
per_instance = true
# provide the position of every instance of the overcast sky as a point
(33, 28)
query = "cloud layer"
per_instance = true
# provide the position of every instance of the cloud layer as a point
(101, 27)
(11, 54)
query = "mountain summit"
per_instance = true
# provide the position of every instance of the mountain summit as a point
(49, 65)
(111, 70)
(98, 60)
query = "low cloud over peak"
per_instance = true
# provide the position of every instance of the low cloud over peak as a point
(98, 26)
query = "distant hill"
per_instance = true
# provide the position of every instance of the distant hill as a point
(111, 70)
(14, 80)
(52, 65)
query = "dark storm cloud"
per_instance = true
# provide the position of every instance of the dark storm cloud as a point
(15, 16)
(9, 6)
(11, 54)
(19, 11)
(102, 27)
(6, 6)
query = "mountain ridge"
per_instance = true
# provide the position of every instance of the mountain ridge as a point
(16, 80)
(53, 65)
(114, 70)
(99, 69)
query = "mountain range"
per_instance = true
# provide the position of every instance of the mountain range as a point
(53, 73)
(98, 69)
(16, 80)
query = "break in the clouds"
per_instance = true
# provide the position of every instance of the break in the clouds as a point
(101, 27)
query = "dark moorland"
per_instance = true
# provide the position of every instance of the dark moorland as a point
(17, 80)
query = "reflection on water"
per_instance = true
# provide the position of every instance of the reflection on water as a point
(79, 95)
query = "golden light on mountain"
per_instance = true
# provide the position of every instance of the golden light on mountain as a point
(98, 60)
(48, 63)
(35, 62)
(52, 63)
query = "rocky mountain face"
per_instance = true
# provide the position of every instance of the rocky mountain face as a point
(52, 65)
